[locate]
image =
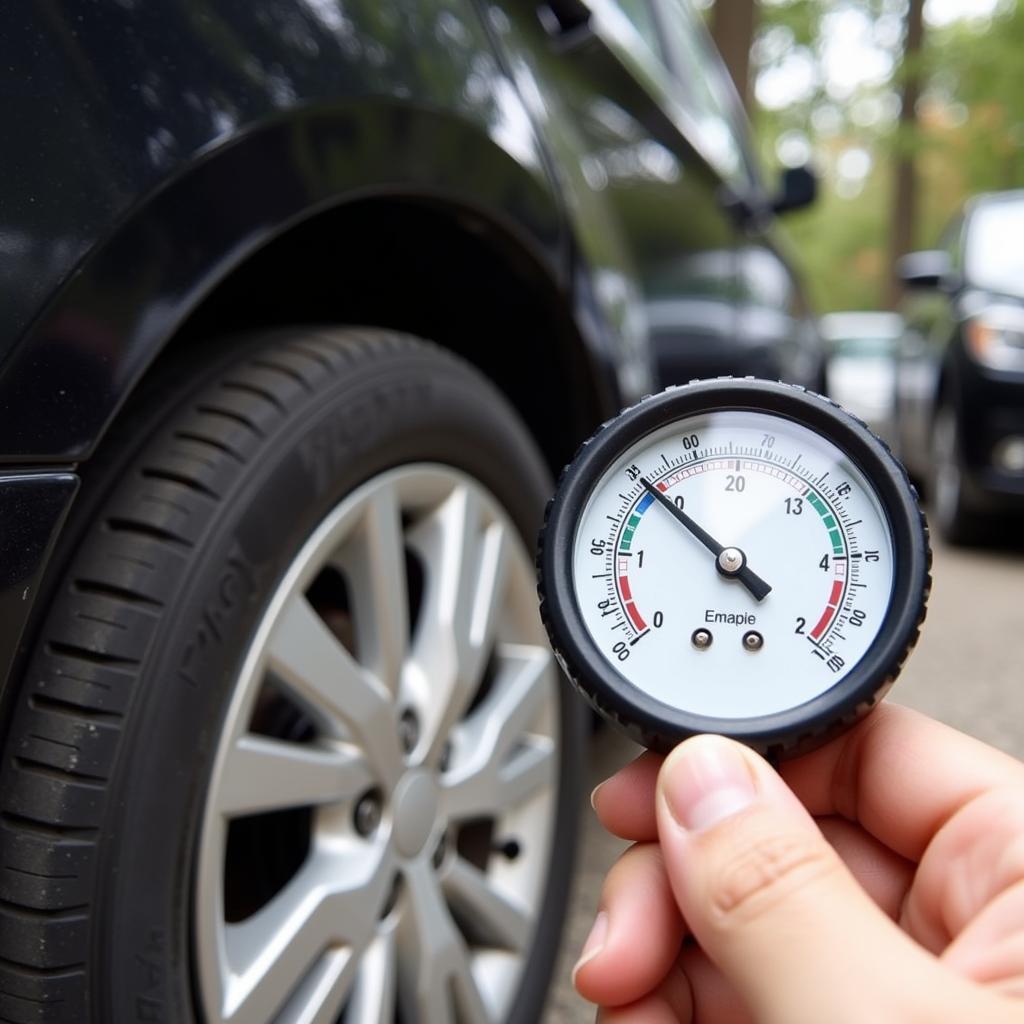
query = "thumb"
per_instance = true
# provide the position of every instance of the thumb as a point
(769, 900)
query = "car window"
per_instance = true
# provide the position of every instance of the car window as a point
(704, 90)
(994, 258)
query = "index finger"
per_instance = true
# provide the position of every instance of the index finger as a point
(900, 775)
(897, 773)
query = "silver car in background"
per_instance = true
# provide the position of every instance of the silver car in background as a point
(859, 371)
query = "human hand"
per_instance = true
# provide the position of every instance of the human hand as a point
(880, 878)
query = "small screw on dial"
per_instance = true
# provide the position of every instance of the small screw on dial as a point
(752, 640)
(701, 639)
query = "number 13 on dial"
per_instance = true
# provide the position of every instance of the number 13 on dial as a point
(734, 556)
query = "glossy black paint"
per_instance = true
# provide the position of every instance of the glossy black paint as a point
(176, 172)
(33, 507)
(934, 366)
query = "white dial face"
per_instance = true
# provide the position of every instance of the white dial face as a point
(701, 631)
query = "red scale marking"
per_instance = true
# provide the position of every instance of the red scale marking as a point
(624, 587)
(635, 616)
(826, 615)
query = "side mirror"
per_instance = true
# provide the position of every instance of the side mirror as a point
(930, 268)
(799, 188)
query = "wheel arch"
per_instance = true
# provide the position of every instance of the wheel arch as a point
(351, 205)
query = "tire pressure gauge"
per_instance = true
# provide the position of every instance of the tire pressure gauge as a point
(734, 556)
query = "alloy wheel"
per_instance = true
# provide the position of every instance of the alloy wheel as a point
(377, 829)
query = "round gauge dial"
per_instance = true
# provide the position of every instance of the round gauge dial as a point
(734, 556)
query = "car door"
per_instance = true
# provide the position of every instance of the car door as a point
(642, 169)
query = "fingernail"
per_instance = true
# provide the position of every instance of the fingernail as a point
(593, 795)
(705, 781)
(595, 941)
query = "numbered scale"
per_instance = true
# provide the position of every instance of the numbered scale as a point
(734, 556)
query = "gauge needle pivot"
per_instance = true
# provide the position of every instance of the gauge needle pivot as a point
(731, 562)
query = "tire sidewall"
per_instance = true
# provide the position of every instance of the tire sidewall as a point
(423, 407)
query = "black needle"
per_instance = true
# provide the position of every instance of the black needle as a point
(729, 561)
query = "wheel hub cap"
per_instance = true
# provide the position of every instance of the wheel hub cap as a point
(415, 810)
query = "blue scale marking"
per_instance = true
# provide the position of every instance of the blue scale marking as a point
(634, 521)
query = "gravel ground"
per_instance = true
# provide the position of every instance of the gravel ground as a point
(967, 670)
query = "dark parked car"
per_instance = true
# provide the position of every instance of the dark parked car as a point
(960, 367)
(282, 737)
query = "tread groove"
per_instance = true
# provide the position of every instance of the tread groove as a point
(188, 435)
(112, 590)
(85, 616)
(253, 389)
(46, 829)
(49, 771)
(235, 417)
(119, 525)
(37, 874)
(60, 647)
(311, 353)
(286, 371)
(46, 702)
(152, 473)
(56, 742)
(33, 914)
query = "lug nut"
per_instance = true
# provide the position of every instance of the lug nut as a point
(408, 730)
(367, 814)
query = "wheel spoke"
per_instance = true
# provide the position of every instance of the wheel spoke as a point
(467, 561)
(373, 997)
(532, 766)
(321, 995)
(500, 763)
(314, 665)
(434, 963)
(264, 774)
(501, 920)
(297, 954)
(375, 565)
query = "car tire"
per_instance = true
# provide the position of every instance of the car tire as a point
(956, 521)
(289, 743)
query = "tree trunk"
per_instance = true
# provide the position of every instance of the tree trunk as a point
(732, 28)
(904, 211)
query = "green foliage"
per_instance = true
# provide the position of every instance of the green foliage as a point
(969, 137)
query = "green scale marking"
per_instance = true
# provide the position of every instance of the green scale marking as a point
(828, 519)
(627, 534)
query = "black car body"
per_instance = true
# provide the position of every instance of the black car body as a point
(959, 405)
(564, 197)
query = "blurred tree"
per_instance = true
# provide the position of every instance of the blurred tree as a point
(732, 28)
(904, 200)
(829, 81)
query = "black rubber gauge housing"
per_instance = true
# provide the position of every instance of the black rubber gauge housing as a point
(782, 733)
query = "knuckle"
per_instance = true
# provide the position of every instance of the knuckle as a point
(753, 878)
